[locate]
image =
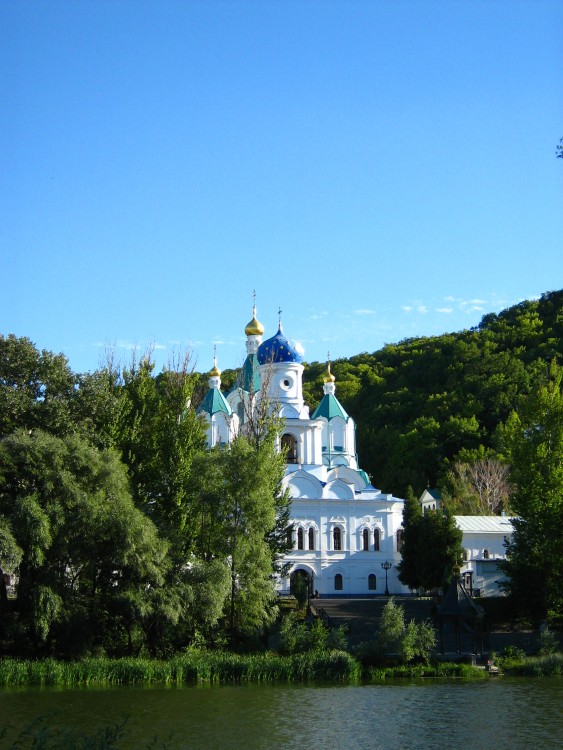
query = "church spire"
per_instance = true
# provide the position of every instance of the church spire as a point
(328, 378)
(254, 327)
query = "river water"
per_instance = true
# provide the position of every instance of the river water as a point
(503, 714)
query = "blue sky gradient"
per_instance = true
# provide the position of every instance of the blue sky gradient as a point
(380, 170)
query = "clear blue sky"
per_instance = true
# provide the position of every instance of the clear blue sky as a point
(378, 169)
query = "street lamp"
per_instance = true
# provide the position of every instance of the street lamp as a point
(386, 566)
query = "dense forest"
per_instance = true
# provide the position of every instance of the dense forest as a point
(128, 536)
(424, 402)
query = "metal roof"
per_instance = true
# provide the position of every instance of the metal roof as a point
(329, 408)
(485, 524)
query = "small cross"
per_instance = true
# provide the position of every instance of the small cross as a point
(279, 315)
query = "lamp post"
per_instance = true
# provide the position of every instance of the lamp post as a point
(386, 566)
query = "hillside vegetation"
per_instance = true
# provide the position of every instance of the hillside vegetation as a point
(423, 402)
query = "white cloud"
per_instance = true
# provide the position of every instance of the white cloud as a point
(445, 310)
(365, 312)
(407, 308)
(449, 298)
(422, 309)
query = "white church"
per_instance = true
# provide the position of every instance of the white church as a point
(347, 535)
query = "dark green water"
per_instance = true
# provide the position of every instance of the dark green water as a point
(504, 714)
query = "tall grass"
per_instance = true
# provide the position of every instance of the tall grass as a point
(550, 665)
(420, 671)
(196, 666)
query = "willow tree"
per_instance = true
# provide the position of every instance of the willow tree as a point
(79, 546)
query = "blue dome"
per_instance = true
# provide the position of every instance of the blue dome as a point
(277, 349)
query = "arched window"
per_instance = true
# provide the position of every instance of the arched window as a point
(376, 540)
(289, 447)
(365, 540)
(400, 539)
(311, 538)
(372, 582)
(337, 538)
(485, 554)
(300, 538)
(338, 582)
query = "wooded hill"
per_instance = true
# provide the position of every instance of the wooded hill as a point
(422, 402)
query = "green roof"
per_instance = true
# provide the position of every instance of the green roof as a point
(249, 378)
(214, 402)
(329, 408)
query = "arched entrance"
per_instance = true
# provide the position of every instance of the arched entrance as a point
(299, 577)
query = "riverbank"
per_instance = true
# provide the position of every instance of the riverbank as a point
(337, 667)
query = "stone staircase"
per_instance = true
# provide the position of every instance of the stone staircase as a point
(362, 616)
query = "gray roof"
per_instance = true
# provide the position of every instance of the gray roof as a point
(485, 524)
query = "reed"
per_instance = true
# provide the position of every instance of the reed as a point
(550, 665)
(445, 670)
(214, 667)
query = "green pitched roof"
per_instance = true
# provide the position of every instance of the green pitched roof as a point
(249, 377)
(214, 402)
(329, 408)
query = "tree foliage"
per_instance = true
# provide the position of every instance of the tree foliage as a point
(534, 437)
(83, 543)
(423, 403)
(477, 487)
(432, 547)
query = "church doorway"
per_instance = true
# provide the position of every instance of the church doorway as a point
(301, 580)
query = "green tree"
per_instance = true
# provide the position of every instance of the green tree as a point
(234, 504)
(36, 388)
(432, 547)
(84, 546)
(391, 629)
(535, 553)
(409, 567)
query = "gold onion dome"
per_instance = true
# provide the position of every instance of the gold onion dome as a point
(215, 372)
(254, 328)
(328, 376)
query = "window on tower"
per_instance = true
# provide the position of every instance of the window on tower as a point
(289, 447)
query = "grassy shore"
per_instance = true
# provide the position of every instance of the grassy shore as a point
(218, 667)
(535, 666)
(215, 667)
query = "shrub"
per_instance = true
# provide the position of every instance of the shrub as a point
(548, 643)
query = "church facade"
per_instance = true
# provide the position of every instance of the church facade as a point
(346, 534)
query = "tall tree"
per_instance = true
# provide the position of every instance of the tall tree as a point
(84, 546)
(477, 487)
(535, 552)
(236, 500)
(36, 388)
(432, 547)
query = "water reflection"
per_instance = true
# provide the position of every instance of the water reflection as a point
(505, 714)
